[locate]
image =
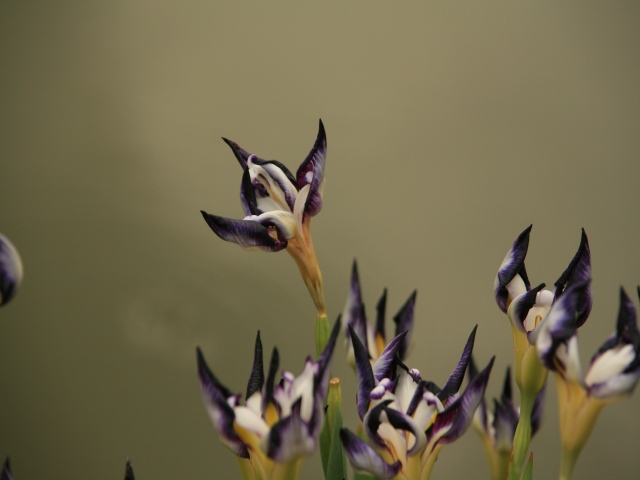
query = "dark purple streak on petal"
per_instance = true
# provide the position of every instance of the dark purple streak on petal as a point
(404, 323)
(363, 458)
(381, 308)
(455, 379)
(313, 166)
(256, 379)
(384, 364)
(246, 233)
(578, 271)
(512, 267)
(364, 373)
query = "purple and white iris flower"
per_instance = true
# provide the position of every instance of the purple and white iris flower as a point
(612, 375)
(278, 206)
(374, 338)
(496, 427)
(10, 270)
(278, 423)
(528, 307)
(406, 419)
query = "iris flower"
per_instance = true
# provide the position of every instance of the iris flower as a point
(612, 375)
(528, 308)
(277, 424)
(407, 420)
(496, 427)
(374, 338)
(278, 206)
(10, 270)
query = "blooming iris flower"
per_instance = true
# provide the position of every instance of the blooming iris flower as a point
(528, 308)
(277, 424)
(10, 270)
(497, 426)
(407, 420)
(612, 375)
(374, 338)
(278, 207)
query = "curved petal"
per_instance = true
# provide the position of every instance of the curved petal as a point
(383, 366)
(289, 438)
(404, 323)
(456, 418)
(520, 306)
(353, 312)
(246, 233)
(283, 222)
(311, 172)
(366, 380)
(512, 265)
(214, 396)
(363, 458)
(558, 326)
(455, 379)
(578, 271)
(10, 270)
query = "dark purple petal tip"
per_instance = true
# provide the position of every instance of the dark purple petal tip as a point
(364, 373)
(455, 379)
(246, 233)
(256, 379)
(578, 271)
(512, 265)
(311, 172)
(404, 323)
(128, 471)
(363, 458)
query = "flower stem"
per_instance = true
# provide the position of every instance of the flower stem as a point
(522, 437)
(323, 332)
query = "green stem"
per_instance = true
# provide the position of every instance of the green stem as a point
(522, 437)
(323, 331)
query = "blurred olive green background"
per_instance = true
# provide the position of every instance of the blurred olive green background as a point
(451, 127)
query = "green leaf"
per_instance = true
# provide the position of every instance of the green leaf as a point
(325, 445)
(337, 465)
(528, 471)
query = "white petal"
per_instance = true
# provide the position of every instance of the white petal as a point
(610, 364)
(249, 420)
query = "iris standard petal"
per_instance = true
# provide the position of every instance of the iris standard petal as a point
(512, 265)
(10, 270)
(246, 233)
(383, 366)
(256, 379)
(363, 458)
(578, 271)
(404, 323)
(455, 379)
(311, 172)
(214, 396)
(364, 373)
(456, 418)
(559, 325)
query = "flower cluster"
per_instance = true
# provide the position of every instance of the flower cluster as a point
(277, 424)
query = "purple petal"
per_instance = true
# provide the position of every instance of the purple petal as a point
(241, 154)
(363, 458)
(559, 325)
(269, 386)
(366, 380)
(10, 270)
(256, 379)
(289, 438)
(455, 379)
(311, 172)
(383, 366)
(372, 422)
(246, 233)
(6, 471)
(456, 418)
(521, 306)
(505, 421)
(404, 323)
(214, 396)
(381, 308)
(248, 195)
(511, 266)
(417, 396)
(578, 271)
(128, 472)
(353, 312)
(481, 411)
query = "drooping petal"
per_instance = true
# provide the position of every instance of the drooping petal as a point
(10, 270)
(289, 438)
(383, 366)
(578, 271)
(559, 326)
(401, 421)
(364, 373)
(404, 323)
(456, 418)
(246, 233)
(363, 458)
(214, 396)
(512, 265)
(256, 379)
(455, 379)
(311, 172)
